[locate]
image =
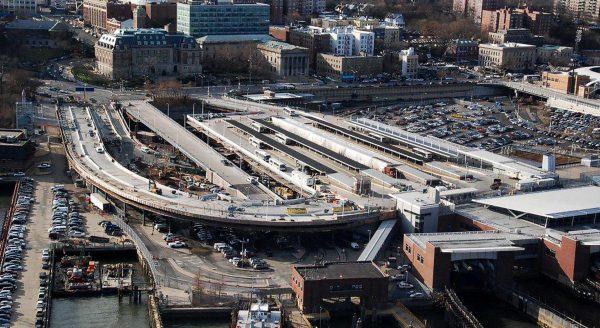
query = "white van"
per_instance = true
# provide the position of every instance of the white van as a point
(146, 150)
(354, 245)
(99, 150)
(217, 246)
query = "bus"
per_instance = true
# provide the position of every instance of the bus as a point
(290, 111)
(379, 137)
(258, 127)
(424, 153)
(283, 138)
(263, 155)
(256, 143)
(278, 164)
(531, 78)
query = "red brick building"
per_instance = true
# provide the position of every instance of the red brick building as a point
(537, 232)
(339, 280)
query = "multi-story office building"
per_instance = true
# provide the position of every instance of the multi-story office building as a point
(507, 56)
(147, 52)
(200, 18)
(284, 59)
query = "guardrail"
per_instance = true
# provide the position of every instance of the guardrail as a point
(160, 279)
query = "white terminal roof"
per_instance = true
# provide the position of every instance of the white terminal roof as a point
(551, 204)
(473, 241)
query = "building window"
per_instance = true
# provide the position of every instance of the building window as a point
(420, 258)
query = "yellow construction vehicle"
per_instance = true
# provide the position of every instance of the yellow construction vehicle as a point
(152, 187)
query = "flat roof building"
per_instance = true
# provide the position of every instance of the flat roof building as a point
(551, 208)
(507, 56)
(198, 18)
(284, 59)
(339, 280)
(353, 66)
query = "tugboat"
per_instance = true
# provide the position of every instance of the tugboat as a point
(258, 316)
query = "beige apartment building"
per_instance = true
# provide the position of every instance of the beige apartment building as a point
(507, 56)
(339, 66)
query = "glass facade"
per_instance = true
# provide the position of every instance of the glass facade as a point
(200, 19)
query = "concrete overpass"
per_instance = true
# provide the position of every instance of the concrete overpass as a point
(104, 173)
(556, 99)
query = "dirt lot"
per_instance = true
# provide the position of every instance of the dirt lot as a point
(560, 159)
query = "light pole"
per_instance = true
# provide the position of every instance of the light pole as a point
(369, 234)
(193, 110)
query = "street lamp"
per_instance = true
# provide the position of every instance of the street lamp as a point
(369, 234)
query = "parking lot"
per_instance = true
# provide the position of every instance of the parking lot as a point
(493, 124)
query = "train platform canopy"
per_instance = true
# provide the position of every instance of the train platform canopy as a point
(554, 204)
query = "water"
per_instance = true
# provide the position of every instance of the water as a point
(197, 323)
(98, 311)
(101, 311)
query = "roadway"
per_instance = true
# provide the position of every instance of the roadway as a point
(199, 152)
(104, 172)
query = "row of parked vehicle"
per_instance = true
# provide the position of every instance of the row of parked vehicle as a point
(110, 228)
(174, 241)
(14, 246)
(243, 259)
(67, 221)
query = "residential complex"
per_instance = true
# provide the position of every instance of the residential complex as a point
(147, 52)
(538, 23)
(410, 63)
(474, 8)
(587, 10)
(199, 18)
(97, 12)
(349, 41)
(507, 56)
(314, 39)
